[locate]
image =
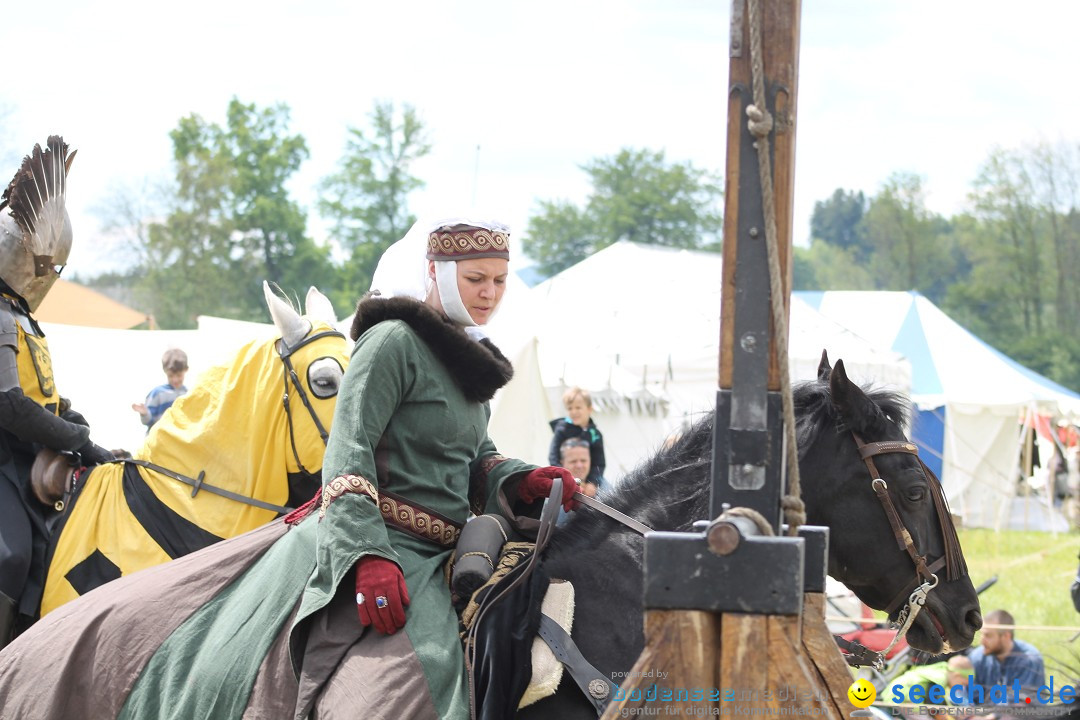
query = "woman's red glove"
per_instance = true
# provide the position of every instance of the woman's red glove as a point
(381, 595)
(537, 486)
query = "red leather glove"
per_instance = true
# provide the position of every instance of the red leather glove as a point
(381, 595)
(537, 484)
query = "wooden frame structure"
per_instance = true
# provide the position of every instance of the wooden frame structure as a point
(734, 620)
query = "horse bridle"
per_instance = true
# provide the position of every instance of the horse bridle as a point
(285, 352)
(926, 578)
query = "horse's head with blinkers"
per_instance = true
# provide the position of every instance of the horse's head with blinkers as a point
(899, 547)
(312, 369)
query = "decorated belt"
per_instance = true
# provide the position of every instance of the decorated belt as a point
(397, 512)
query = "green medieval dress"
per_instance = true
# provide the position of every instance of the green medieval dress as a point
(265, 625)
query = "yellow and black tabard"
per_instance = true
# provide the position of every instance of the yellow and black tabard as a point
(33, 360)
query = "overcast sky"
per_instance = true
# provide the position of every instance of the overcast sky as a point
(539, 87)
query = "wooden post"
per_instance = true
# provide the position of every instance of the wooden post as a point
(699, 663)
(780, 43)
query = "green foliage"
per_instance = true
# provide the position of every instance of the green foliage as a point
(1022, 293)
(1009, 270)
(366, 199)
(636, 196)
(231, 223)
(1055, 356)
(837, 221)
(824, 266)
(909, 248)
(887, 242)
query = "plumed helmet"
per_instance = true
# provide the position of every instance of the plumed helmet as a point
(35, 235)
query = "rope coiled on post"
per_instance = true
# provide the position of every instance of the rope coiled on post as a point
(760, 123)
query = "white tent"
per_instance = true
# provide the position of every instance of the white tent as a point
(971, 401)
(103, 371)
(639, 327)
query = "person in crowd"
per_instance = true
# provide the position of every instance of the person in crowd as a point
(343, 608)
(174, 363)
(574, 455)
(35, 239)
(1001, 659)
(578, 423)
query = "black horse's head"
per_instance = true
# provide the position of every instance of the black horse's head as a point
(871, 555)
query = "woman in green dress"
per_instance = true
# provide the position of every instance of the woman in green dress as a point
(343, 610)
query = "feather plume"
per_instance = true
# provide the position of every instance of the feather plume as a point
(37, 194)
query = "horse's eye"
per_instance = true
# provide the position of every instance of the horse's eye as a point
(915, 494)
(324, 377)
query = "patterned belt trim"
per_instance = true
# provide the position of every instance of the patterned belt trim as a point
(396, 511)
(418, 521)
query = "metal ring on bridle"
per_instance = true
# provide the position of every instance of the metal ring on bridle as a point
(916, 602)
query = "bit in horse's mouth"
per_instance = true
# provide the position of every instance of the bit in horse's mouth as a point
(937, 625)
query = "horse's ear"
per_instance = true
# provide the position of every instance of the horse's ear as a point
(823, 368)
(849, 400)
(292, 327)
(318, 307)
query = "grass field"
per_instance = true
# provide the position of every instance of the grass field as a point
(1035, 571)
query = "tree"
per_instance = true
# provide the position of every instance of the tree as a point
(1023, 240)
(838, 219)
(270, 224)
(909, 248)
(1009, 241)
(127, 210)
(636, 196)
(231, 223)
(367, 198)
(824, 266)
(1056, 173)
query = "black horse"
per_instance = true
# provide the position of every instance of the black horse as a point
(603, 559)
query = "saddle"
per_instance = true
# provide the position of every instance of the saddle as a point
(518, 619)
(51, 477)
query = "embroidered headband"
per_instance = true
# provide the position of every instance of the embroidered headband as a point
(466, 242)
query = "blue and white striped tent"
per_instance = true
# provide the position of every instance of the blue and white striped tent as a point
(970, 399)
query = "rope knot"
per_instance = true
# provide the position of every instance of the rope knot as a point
(794, 512)
(761, 122)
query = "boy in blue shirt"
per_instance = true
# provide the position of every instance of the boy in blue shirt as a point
(174, 363)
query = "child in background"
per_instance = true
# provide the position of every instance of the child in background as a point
(174, 363)
(578, 424)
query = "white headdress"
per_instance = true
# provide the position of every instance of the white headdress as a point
(402, 270)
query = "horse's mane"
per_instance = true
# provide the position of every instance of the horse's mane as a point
(676, 476)
(670, 490)
(814, 412)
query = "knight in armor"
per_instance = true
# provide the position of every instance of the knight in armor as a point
(35, 239)
(342, 608)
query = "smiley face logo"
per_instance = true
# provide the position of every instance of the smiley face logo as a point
(861, 693)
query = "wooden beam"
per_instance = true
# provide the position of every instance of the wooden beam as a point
(780, 44)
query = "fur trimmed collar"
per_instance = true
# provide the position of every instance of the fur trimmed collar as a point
(478, 367)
